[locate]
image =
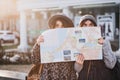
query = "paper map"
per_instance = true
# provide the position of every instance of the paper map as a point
(64, 44)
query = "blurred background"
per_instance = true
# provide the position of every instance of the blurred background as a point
(22, 21)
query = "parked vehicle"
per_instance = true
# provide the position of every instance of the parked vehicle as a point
(7, 36)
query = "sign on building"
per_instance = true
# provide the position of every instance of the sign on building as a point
(107, 24)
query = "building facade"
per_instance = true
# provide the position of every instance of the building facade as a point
(34, 15)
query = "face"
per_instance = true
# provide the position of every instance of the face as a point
(59, 24)
(88, 23)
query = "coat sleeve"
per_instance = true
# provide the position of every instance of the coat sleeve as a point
(35, 54)
(108, 55)
(78, 67)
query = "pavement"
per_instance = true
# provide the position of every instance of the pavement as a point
(14, 72)
(12, 75)
(20, 68)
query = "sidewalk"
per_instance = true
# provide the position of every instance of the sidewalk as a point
(14, 72)
(19, 68)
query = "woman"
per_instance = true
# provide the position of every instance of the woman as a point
(95, 69)
(60, 70)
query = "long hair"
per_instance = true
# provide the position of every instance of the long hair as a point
(65, 23)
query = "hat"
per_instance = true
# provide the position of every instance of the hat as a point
(53, 19)
(87, 17)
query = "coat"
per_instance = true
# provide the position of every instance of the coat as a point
(96, 70)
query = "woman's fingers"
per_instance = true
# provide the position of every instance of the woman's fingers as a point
(80, 59)
(40, 39)
(100, 40)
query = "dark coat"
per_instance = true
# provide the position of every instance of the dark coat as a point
(96, 70)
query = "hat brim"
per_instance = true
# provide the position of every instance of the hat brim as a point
(53, 19)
